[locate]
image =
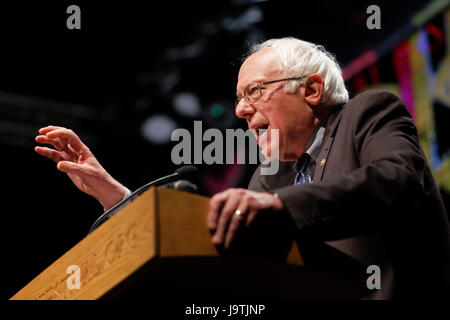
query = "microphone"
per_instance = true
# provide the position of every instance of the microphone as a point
(182, 172)
(182, 185)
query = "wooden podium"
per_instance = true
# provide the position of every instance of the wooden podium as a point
(159, 246)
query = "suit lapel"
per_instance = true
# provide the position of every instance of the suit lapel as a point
(330, 131)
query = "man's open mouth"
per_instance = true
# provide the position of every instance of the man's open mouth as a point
(260, 132)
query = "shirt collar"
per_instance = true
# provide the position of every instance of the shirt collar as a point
(313, 145)
(314, 142)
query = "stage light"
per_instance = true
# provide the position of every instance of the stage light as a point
(250, 17)
(220, 114)
(187, 104)
(158, 128)
(216, 110)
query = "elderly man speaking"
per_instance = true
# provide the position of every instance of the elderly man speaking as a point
(353, 180)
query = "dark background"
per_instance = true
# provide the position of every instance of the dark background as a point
(126, 64)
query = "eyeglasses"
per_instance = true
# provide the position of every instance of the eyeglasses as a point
(254, 91)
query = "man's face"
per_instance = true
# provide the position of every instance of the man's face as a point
(276, 109)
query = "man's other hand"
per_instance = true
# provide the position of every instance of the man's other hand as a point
(73, 157)
(232, 207)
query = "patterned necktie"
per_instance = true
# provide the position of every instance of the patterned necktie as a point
(302, 176)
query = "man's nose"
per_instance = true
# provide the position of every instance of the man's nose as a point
(244, 110)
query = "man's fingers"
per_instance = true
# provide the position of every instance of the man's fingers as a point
(47, 129)
(215, 205)
(224, 218)
(236, 221)
(70, 167)
(250, 217)
(49, 153)
(59, 146)
(68, 137)
(46, 140)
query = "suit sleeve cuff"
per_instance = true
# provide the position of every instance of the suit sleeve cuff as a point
(301, 209)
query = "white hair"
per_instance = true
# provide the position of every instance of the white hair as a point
(298, 58)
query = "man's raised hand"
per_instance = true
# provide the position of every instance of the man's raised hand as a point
(73, 157)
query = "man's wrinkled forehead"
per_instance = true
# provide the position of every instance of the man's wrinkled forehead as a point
(261, 65)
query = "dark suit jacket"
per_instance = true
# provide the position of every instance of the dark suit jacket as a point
(373, 201)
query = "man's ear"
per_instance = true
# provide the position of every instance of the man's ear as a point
(313, 89)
